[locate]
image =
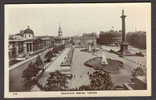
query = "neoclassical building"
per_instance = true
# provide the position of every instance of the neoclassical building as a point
(26, 43)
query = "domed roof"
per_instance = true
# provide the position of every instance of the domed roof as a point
(28, 30)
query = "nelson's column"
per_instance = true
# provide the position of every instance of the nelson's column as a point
(124, 45)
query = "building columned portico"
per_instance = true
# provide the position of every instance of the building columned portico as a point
(26, 43)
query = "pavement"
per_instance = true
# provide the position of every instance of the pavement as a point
(79, 70)
(130, 62)
(53, 66)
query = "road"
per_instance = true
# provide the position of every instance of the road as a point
(15, 75)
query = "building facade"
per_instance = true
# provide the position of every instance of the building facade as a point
(110, 37)
(25, 43)
(88, 40)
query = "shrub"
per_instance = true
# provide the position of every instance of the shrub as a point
(56, 82)
(84, 88)
(39, 61)
(138, 72)
(137, 39)
(140, 54)
(28, 74)
(101, 80)
(48, 56)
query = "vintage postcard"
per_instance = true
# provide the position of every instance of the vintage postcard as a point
(77, 50)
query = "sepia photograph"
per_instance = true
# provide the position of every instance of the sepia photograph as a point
(77, 50)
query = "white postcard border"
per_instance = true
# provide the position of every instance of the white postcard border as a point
(106, 93)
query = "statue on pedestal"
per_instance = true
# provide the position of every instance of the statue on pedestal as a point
(104, 59)
(89, 47)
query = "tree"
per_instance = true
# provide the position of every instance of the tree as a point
(30, 71)
(138, 72)
(56, 82)
(28, 75)
(108, 37)
(101, 80)
(39, 61)
(48, 56)
(84, 88)
(55, 50)
(137, 39)
(58, 48)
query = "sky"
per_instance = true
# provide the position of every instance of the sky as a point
(75, 19)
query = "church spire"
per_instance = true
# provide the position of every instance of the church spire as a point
(59, 31)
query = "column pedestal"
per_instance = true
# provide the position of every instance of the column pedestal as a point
(124, 49)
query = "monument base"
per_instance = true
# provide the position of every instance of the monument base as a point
(124, 49)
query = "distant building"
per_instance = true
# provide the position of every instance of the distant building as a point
(88, 40)
(110, 37)
(44, 42)
(59, 40)
(137, 39)
(76, 40)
